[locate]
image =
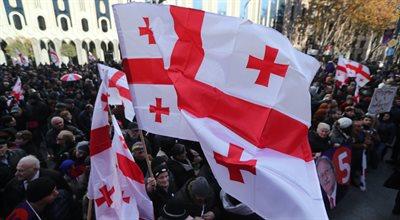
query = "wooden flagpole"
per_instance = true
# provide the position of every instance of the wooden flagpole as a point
(145, 152)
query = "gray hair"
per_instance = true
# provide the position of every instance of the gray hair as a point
(323, 125)
(32, 160)
(53, 119)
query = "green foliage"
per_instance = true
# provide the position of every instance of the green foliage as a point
(68, 50)
(22, 45)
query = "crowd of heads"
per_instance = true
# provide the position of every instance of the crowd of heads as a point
(45, 158)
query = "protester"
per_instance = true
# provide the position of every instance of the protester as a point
(40, 193)
(52, 125)
(197, 197)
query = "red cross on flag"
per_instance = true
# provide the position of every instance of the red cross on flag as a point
(349, 68)
(155, 98)
(103, 186)
(243, 90)
(17, 91)
(118, 89)
(115, 195)
(130, 177)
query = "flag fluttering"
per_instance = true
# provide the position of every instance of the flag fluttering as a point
(242, 95)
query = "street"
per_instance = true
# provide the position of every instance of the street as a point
(376, 203)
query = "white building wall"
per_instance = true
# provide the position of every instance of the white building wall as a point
(80, 9)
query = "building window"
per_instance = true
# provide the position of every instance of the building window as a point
(244, 4)
(41, 23)
(64, 24)
(197, 4)
(85, 26)
(222, 4)
(17, 22)
(104, 26)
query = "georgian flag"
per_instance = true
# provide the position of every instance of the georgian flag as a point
(349, 68)
(341, 71)
(17, 91)
(104, 186)
(116, 183)
(131, 178)
(21, 58)
(241, 87)
(54, 57)
(118, 89)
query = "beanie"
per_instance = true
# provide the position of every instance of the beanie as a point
(199, 187)
(39, 188)
(345, 122)
(174, 210)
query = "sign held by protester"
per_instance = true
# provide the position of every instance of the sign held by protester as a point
(382, 100)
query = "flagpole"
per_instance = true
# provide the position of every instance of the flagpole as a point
(144, 148)
(89, 210)
(145, 152)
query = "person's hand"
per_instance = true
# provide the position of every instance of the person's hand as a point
(151, 184)
(209, 215)
(198, 218)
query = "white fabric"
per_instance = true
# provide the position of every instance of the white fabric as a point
(115, 97)
(135, 190)
(284, 187)
(54, 57)
(17, 90)
(135, 46)
(341, 75)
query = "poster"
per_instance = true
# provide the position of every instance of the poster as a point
(382, 100)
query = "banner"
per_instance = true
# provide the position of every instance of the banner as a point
(382, 100)
(333, 168)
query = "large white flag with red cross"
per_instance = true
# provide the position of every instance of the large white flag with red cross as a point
(103, 188)
(243, 89)
(155, 98)
(349, 68)
(131, 177)
(116, 184)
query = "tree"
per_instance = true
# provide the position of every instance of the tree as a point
(68, 50)
(21, 45)
(341, 22)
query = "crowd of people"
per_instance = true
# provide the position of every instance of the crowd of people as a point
(44, 145)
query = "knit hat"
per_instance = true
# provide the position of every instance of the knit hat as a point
(157, 171)
(66, 165)
(174, 210)
(177, 149)
(158, 161)
(199, 187)
(39, 189)
(345, 122)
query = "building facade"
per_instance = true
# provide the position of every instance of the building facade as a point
(88, 25)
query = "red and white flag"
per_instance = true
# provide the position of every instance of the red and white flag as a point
(341, 71)
(155, 98)
(349, 68)
(21, 58)
(244, 95)
(130, 177)
(54, 57)
(17, 90)
(116, 184)
(118, 89)
(104, 186)
(91, 57)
